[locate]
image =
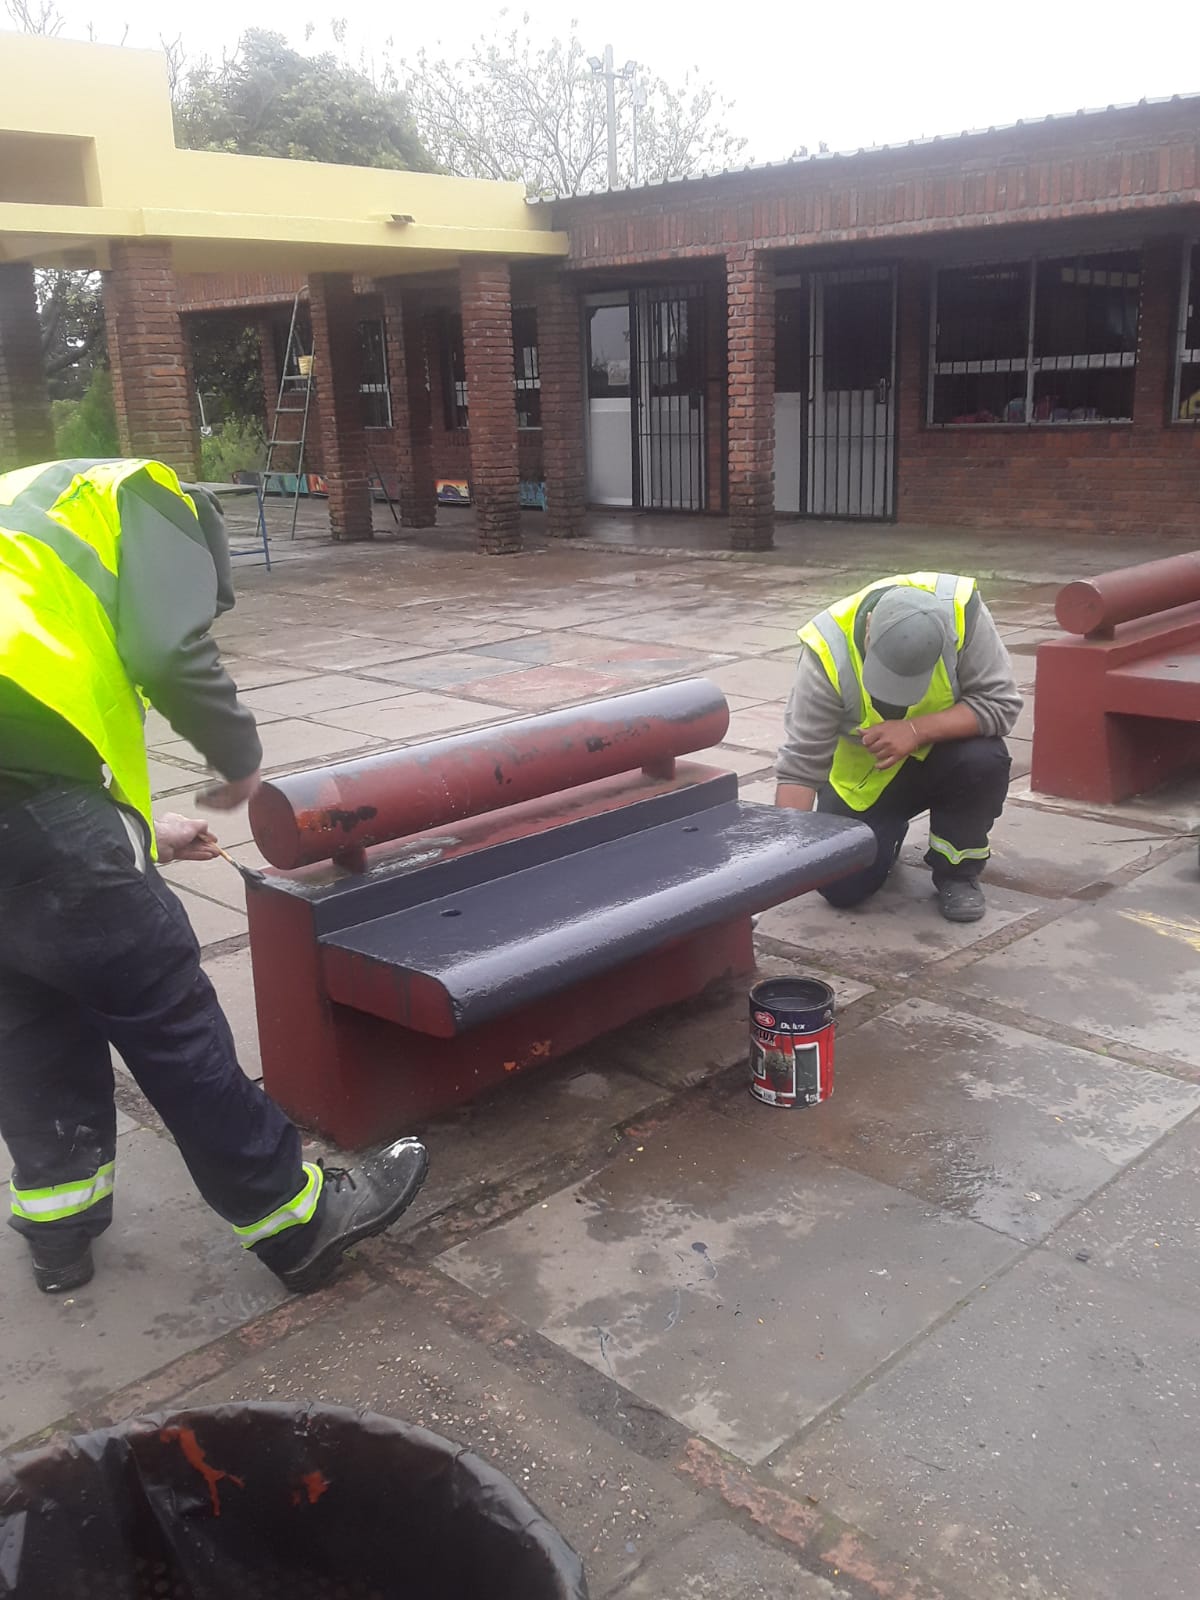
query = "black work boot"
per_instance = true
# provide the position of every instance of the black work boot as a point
(356, 1202)
(61, 1261)
(960, 900)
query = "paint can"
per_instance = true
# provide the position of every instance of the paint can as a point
(791, 1041)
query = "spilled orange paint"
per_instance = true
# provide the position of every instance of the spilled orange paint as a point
(193, 1454)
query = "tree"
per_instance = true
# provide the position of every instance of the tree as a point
(267, 99)
(72, 319)
(513, 108)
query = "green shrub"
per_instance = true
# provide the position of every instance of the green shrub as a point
(236, 446)
(87, 427)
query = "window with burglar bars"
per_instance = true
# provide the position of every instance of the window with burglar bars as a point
(526, 377)
(373, 385)
(527, 381)
(1187, 366)
(1046, 340)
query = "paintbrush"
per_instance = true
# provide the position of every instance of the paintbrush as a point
(250, 874)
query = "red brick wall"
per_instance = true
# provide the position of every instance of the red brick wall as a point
(149, 356)
(26, 436)
(486, 293)
(337, 367)
(1128, 478)
(1111, 163)
(560, 363)
(751, 344)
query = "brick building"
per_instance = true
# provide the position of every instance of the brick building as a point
(996, 330)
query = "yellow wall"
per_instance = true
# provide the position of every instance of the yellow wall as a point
(87, 154)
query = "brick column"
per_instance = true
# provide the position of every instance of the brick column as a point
(26, 436)
(412, 413)
(337, 371)
(560, 366)
(912, 299)
(149, 357)
(750, 291)
(269, 363)
(485, 288)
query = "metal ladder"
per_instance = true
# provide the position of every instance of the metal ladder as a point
(293, 400)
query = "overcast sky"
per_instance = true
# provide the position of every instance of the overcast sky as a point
(850, 73)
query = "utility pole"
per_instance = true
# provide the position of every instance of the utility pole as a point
(605, 69)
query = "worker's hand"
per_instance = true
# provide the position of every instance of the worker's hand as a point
(890, 743)
(228, 796)
(183, 839)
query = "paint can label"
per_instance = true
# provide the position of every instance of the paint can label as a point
(787, 1069)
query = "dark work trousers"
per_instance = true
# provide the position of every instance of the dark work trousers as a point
(96, 952)
(962, 784)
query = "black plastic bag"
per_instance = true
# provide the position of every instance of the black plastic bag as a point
(286, 1502)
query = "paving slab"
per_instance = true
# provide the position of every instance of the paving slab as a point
(758, 729)
(389, 1354)
(211, 920)
(721, 1562)
(1146, 1226)
(766, 680)
(166, 778)
(1046, 852)
(896, 932)
(448, 670)
(417, 715)
(215, 880)
(233, 980)
(1042, 1443)
(544, 688)
(1004, 1127)
(169, 1278)
(732, 759)
(251, 674)
(1174, 807)
(289, 742)
(553, 1111)
(739, 1295)
(1123, 967)
(301, 697)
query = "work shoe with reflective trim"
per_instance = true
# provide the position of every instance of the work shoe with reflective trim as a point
(61, 1262)
(356, 1203)
(960, 900)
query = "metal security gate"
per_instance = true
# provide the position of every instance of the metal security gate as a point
(668, 446)
(851, 423)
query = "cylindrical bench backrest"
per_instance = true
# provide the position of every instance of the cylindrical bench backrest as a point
(1097, 605)
(336, 810)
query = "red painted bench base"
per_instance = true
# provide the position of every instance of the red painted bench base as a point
(1119, 717)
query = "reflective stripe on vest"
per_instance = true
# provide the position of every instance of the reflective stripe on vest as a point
(831, 637)
(60, 533)
(63, 1200)
(292, 1215)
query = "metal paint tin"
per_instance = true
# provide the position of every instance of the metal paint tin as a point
(791, 1041)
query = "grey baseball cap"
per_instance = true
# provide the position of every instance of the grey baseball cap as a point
(910, 629)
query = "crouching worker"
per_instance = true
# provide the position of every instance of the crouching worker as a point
(902, 698)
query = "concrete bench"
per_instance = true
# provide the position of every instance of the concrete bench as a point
(1118, 706)
(446, 915)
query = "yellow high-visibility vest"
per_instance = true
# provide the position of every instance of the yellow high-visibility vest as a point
(60, 542)
(830, 636)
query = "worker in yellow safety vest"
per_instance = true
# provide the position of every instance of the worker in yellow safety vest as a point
(111, 575)
(902, 698)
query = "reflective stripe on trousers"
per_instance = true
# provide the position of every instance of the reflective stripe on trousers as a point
(956, 857)
(292, 1215)
(63, 1200)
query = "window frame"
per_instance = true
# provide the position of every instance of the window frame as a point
(1189, 285)
(1031, 364)
(526, 382)
(370, 391)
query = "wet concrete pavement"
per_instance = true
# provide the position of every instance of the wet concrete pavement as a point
(935, 1338)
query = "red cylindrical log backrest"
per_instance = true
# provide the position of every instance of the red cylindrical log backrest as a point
(334, 811)
(1096, 605)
